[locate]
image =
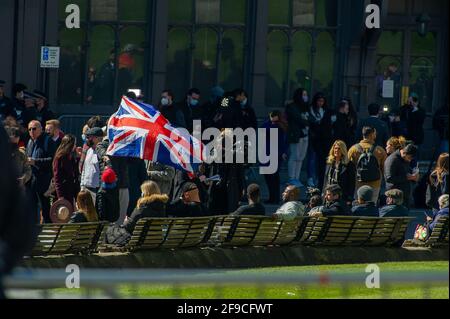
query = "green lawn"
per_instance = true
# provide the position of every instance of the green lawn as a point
(359, 291)
(316, 291)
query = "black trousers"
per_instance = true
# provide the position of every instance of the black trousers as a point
(45, 207)
(273, 184)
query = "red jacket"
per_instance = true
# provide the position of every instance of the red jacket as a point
(66, 177)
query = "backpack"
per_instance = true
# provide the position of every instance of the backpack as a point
(367, 167)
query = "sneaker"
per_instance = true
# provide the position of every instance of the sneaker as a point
(311, 182)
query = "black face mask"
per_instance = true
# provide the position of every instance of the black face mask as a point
(90, 143)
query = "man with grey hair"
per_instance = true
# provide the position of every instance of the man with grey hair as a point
(394, 204)
(443, 212)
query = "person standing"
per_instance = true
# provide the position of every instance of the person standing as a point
(90, 173)
(17, 225)
(6, 107)
(40, 152)
(414, 117)
(368, 159)
(65, 170)
(440, 125)
(43, 113)
(340, 171)
(320, 133)
(344, 128)
(438, 182)
(378, 124)
(171, 111)
(273, 180)
(191, 108)
(163, 175)
(248, 115)
(396, 171)
(52, 128)
(297, 114)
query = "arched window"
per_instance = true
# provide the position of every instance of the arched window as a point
(300, 68)
(213, 49)
(324, 65)
(277, 66)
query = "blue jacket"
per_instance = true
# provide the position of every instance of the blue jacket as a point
(394, 211)
(282, 138)
(365, 210)
(436, 215)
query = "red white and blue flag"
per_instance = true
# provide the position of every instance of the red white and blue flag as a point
(139, 130)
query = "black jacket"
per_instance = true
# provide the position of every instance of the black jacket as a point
(414, 124)
(6, 108)
(344, 129)
(298, 123)
(344, 176)
(118, 164)
(321, 132)
(107, 204)
(78, 217)
(440, 122)
(394, 211)
(253, 210)
(17, 221)
(179, 209)
(380, 126)
(151, 206)
(365, 210)
(436, 189)
(248, 118)
(337, 208)
(395, 172)
(173, 114)
(42, 151)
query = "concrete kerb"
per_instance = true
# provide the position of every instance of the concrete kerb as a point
(242, 257)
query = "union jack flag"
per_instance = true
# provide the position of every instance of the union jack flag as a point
(139, 130)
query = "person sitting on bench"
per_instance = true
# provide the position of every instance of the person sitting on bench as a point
(254, 206)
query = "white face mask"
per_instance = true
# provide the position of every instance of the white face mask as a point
(164, 101)
(305, 98)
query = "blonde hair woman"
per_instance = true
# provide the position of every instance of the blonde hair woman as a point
(151, 204)
(85, 209)
(394, 144)
(340, 171)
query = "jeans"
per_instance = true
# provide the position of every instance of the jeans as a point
(297, 154)
(124, 199)
(273, 185)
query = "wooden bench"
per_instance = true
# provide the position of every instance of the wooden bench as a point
(61, 239)
(355, 231)
(151, 233)
(439, 235)
(254, 231)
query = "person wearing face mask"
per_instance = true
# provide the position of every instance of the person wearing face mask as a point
(171, 111)
(247, 116)
(191, 109)
(414, 117)
(297, 114)
(90, 174)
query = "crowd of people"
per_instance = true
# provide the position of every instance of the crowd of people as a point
(354, 167)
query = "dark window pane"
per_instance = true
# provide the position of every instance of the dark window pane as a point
(276, 69)
(421, 81)
(180, 11)
(205, 59)
(433, 7)
(135, 10)
(104, 10)
(101, 60)
(232, 59)
(303, 12)
(423, 45)
(70, 72)
(178, 62)
(397, 7)
(131, 59)
(207, 11)
(62, 4)
(300, 68)
(324, 64)
(326, 12)
(279, 12)
(233, 11)
(389, 68)
(390, 43)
